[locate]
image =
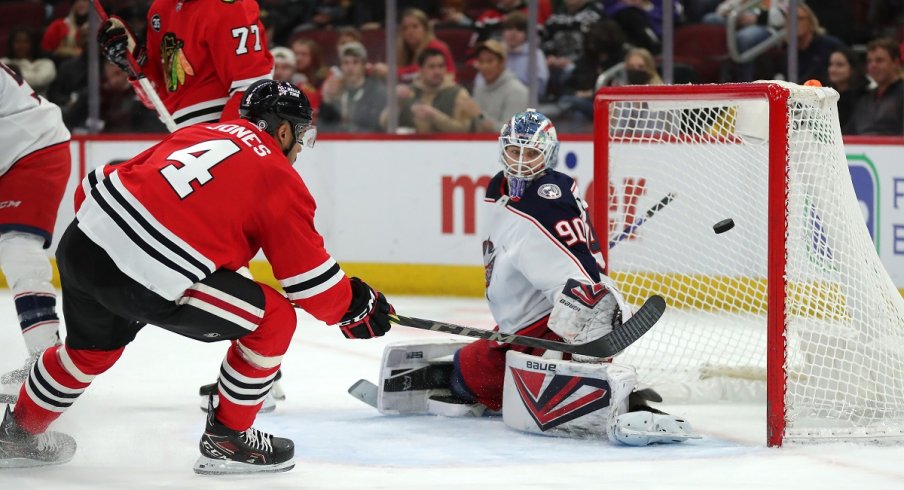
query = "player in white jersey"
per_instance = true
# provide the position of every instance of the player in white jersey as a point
(544, 278)
(34, 167)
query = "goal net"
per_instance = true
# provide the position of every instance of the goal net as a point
(792, 303)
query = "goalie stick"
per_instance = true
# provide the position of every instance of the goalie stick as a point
(606, 346)
(631, 228)
(146, 85)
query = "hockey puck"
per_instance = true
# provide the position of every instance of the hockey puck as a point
(723, 226)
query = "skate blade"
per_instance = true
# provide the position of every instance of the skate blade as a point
(14, 463)
(208, 466)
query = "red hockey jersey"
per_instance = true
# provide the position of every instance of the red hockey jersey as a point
(200, 52)
(208, 197)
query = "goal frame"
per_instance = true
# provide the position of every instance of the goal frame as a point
(776, 97)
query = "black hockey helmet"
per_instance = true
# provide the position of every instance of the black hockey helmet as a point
(267, 103)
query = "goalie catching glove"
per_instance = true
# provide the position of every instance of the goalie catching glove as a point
(368, 314)
(585, 312)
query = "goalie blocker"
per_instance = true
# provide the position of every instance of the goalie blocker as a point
(541, 395)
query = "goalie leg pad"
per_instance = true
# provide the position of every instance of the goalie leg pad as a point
(564, 398)
(412, 372)
(642, 428)
(28, 273)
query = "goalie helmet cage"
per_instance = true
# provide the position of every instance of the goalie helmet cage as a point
(794, 300)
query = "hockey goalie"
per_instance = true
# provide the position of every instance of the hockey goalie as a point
(544, 278)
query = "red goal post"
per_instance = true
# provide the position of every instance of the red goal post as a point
(793, 302)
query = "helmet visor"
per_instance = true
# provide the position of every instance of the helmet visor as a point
(306, 134)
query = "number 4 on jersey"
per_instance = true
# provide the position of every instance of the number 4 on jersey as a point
(196, 160)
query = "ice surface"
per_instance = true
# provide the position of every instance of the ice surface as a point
(138, 426)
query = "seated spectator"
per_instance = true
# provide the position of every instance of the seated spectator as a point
(813, 47)
(604, 47)
(120, 108)
(284, 69)
(754, 27)
(514, 36)
(881, 110)
(22, 56)
(846, 76)
(501, 94)
(69, 90)
(414, 37)
(433, 103)
(642, 20)
(308, 63)
(352, 101)
(640, 68)
(489, 23)
(62, 39)
(563, 39)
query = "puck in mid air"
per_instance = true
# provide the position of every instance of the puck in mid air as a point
(723, 226)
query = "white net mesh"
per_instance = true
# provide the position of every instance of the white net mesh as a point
(844, 317)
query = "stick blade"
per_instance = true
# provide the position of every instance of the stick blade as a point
(365, 391)
(629, 332)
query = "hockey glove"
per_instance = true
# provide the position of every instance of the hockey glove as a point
(117, 42)
(368, 314)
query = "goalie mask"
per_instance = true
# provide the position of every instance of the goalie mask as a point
(528, 146)
(267, 103)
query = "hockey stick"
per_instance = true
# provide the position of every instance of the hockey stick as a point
(629, 229)
(146, 85)
(606, 346)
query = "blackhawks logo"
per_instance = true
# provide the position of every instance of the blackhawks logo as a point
(175, 65)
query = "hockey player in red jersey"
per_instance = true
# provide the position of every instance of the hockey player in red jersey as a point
(34, 170)
(544, 278)
(200, 55)
(156, 240)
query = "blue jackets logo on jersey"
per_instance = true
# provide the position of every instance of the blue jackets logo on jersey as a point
(549, 191)
(560, 401)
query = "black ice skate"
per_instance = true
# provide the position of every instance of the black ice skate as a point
(225, 451)
(19, 449)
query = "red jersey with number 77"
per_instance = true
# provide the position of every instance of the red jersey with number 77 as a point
(211, 196)
(201, 52)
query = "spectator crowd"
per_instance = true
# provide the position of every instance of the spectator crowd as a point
(463, 65)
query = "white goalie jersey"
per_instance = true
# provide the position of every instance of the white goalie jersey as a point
(533, 246)
(28, 122)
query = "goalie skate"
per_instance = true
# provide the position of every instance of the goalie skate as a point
(643, 428)
(225, 451)
(19, 449)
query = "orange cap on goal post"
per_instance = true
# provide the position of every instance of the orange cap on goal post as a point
(813, 83)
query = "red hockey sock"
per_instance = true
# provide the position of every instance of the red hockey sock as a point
(56, 381)
(251, 363)
(242, 388)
